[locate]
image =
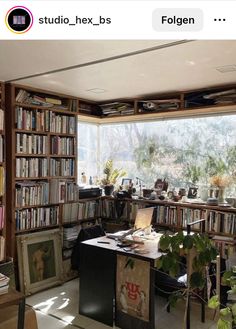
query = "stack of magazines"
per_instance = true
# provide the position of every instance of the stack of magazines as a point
(4, 284)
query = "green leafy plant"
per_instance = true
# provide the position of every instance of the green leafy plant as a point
(227, 316)
(199, 253)
(111, 174)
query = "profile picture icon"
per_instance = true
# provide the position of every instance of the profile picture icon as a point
(19, 19)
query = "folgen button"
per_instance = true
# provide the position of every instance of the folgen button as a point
(178, 20)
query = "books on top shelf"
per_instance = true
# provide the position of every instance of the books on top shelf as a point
(222, 97)
(117, 108)
(26, 97)
(4, 284)
(159, 104)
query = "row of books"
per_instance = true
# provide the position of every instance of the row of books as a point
(36, 217)
(114, 209)
(165, 215)
(221, 222)
(2, 217)
(31, 167)
(63, 145)
(73, 212)
(31, 193)
(2, 248)
(62, 123)
(1, 148)
(2, 180)
(63, 191)
(62, 167)
(134, 208)
(31, 144)
(4, 284)
(26, 97)
(47, 121)
(1, 119)
(188, 215)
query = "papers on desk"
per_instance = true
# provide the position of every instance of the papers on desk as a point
(120, 234)
(142, 243)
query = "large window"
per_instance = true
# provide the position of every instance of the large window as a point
(88, 142)
(184, 151)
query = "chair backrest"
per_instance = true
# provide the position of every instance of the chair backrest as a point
(87, 233)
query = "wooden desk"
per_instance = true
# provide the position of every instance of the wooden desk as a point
(98, 279)
(14, 297)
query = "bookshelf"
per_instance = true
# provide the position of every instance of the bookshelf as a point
(169, 215)
(41, 156)
(211, 100)
(2, 174)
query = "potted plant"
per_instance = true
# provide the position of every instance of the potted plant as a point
(111, 176)
(199, 252)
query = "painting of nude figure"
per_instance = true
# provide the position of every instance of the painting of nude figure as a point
(40, 263)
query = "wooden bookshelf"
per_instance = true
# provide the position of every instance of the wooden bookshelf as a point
(41, 157)
(2, 175)
(169, 105)
(220, 222)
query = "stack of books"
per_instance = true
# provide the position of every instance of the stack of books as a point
(4, 284)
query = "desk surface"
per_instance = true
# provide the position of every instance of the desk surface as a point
(111, 244)
(10, 298)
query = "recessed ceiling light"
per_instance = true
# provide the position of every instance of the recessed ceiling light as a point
(226, 68)
(96, 90)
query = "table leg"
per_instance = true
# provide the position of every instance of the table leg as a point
(21, 314)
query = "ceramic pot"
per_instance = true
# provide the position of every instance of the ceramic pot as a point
(108, 189)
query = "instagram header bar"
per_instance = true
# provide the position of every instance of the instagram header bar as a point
(117, 20)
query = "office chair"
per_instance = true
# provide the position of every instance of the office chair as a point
(87, 233)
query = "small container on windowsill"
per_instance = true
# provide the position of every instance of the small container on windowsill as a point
(212, 201)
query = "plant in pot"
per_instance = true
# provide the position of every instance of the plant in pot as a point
(198, 252)
(111, 176)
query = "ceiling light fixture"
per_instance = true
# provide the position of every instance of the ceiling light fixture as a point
(96, 90)
(226, 68)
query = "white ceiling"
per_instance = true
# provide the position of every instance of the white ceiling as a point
(180, 67)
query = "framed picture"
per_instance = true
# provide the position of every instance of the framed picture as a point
(126, 181)
(40, 260)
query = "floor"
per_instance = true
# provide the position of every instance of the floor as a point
(57, 308)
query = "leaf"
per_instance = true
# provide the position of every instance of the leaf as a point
(213, 302)
(167, 263)
(226, 277)
(197, 280)
(233, 308)
(173, 299)
(174, 270)
(165, 242)
(158, 263)
(188, 242)
(225, 311)
(223, 324)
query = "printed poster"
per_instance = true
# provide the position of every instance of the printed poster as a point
(132, 286)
